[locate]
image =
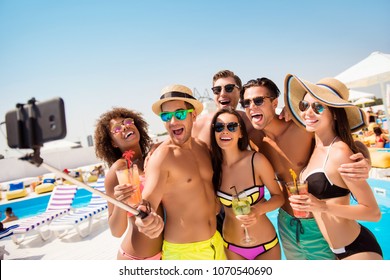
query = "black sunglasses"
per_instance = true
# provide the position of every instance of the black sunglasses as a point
(258, 101)
(219, 127)
(228, 88)
(317, 107)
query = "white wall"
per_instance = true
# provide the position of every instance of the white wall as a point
(13, 168)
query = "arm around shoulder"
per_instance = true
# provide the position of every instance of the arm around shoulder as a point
(363, 150)
(359, 166)
(265, 171)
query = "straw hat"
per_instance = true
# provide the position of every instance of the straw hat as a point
(329, 91)
(177, 92)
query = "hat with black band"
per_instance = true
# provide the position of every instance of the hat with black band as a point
(177, 92)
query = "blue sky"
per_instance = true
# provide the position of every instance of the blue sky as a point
(101, 54)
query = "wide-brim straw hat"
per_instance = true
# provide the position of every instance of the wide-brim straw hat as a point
(329, 91)
(177, 92)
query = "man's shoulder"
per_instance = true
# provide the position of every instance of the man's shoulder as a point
(293, 129)
(202, 125)
(204, 118)
(200, 143)
(161, 155)
(241, 112)
(165, 147)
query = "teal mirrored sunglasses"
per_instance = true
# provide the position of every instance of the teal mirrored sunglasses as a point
(179, 115)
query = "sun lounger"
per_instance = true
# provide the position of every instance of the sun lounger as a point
(59, 204)
(16, 190)
(47, 185)
(81, 219)
(7, 231)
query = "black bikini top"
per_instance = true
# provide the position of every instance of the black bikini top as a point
(320, 185)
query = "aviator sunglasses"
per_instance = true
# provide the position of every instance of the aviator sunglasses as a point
(228, 88)
(316, 106)
(219, 127)
(179, 115)
(118, 127)
(258, 101)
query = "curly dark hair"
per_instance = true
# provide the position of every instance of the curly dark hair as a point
(103, 146)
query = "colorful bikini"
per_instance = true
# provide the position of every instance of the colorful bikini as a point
(250, 253)
(256, 194)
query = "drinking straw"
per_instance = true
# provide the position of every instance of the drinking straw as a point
(294, 177)
(234, 187)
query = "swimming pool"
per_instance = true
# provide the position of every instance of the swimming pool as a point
(381, 189)
(30, 207)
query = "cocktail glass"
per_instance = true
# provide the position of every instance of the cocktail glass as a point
(241, 206)
(131, 176)
(294, 188)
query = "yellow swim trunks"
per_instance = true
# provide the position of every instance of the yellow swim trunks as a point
(211, 249)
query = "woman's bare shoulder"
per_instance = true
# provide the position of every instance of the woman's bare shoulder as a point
(340, 153)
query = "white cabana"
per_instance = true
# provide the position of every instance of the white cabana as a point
(59, 145)
(363, 101)
(355, 95)
(373, 70)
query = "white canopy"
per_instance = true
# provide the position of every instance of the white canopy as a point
(355, 95)
(374, 69)
(59, 145)
(363, 101)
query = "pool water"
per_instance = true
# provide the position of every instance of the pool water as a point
(34, 206)
(381, 189)
(385, 150)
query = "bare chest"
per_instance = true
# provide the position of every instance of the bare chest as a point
(285, 154)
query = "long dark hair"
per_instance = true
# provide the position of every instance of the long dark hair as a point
(216, 151)
(342, 128)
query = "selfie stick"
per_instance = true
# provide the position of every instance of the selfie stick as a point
(36, 159)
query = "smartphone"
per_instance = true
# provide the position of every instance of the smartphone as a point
(34, 124)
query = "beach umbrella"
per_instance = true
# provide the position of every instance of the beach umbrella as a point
(373, 70)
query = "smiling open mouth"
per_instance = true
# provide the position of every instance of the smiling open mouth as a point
(130, 133)
(224, 102)
(178, 131)
(226, 138)
(257, 117)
